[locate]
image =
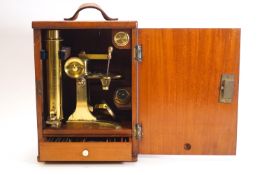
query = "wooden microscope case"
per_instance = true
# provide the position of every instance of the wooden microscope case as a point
(184, 94)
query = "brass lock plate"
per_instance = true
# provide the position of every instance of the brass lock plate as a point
(226, 88)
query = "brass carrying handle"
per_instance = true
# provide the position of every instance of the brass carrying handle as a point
(93, 6)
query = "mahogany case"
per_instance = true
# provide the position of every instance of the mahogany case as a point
(183, 85)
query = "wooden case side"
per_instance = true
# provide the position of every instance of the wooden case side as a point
(38, 84)
(134, 94)
(179, 91)
(85, 151)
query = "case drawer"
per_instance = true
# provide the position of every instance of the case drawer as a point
(91, 151)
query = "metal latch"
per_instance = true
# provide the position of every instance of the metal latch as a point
(138, 50)
(226, 88)
(138, 131)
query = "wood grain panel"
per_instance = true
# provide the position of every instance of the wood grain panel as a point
(39, 84)
(68, 132)
(135, 145)
(179, 90)
(97, 151)
(83, 24)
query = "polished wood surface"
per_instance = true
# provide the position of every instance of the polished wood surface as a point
(135, 143)
(51, 151)
(83, 25)
(79, 130)
(39, 84)
(179, 91)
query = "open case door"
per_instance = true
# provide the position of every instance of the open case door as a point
(189, 90)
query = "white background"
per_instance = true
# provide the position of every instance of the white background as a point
(18, 136)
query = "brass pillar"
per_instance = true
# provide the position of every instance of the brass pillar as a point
(53, 46)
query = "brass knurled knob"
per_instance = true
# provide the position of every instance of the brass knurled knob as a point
(74, 67)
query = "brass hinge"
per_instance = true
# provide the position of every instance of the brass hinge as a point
(138, 131)
(138, 51)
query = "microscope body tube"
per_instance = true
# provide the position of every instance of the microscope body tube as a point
(54, 79)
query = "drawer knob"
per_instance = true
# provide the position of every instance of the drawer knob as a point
(85, 153)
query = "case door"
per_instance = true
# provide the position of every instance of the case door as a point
(180, 88)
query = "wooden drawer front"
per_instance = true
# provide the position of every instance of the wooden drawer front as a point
(50, 151)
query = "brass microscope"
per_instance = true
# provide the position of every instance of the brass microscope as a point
(77, 68)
